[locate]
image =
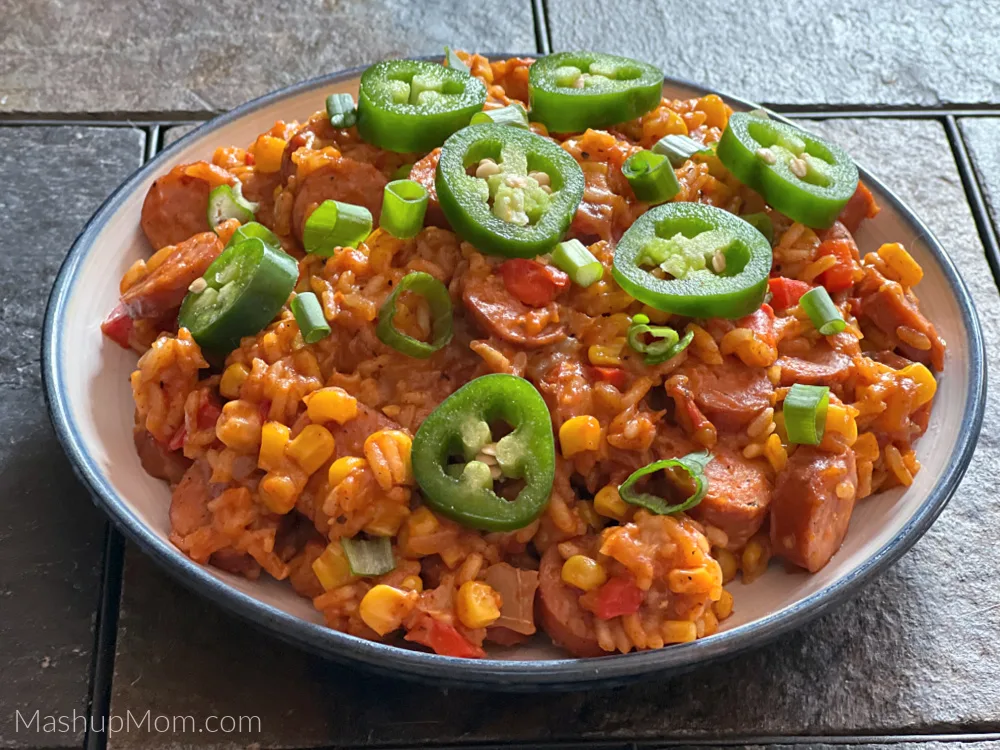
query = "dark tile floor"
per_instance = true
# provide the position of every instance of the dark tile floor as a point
(913, 655)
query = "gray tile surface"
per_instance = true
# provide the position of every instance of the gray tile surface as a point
(915, 652)
(982, 136)
(51, 536)
(863, 52)
(199, 56)
(170, 135)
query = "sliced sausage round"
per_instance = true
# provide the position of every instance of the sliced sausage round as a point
(567, 623)
(499, 313)
(176, 205)
(425, 173)
(738, 496)
(162, 292)
(343, 180)
(189, 502)
(730, 394)
(821, 366)
(809, 517)
(157, 460)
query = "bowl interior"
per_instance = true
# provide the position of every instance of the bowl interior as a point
(91, 378)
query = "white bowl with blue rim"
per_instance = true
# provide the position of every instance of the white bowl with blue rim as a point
(87, 385)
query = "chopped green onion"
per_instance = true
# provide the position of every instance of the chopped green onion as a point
(578, 262)
(439, 301)
(254, 230)
(651, 177)
(760, 113)
(334, 224)
(805, 413)
(341, 110)
(762, 223)
(226, 203)
(667, 342)
(403, 208)
(679, 148)
(693, 464)
(402, 172)
(309, 315)
(513, 114)
(822, 312)
(453, 61)
(369, 557)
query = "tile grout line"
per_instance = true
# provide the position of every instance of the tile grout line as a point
(974, 195)
(543, 35)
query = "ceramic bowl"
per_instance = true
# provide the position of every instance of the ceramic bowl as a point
(86, 380)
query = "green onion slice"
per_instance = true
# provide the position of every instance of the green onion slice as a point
(667, 343)
(822, 312)
(226, 203)
(439, 300)
(693, 464)
(334, 224)
(256, 231)
(573, 257)
(403, 208)
(651, 177)
(513, 114)
(402, 172)
(679, 148)
(453, 61)
(308, 314)
(805, 413)
(762, 223)
(369, 557)
(341, 110)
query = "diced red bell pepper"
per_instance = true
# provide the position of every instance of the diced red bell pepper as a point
(861, 206)
(614, 375)
(118, 326)
(533, 283)
(177, 441)
(841, 276)
(443, 639)
(209, 412)
(785, 292)
(618, 596)
(249, 159)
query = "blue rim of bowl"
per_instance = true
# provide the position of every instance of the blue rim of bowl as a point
(494, 674)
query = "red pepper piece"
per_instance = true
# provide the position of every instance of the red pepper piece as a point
(841, 276)
(118, 326)
(619, 596)
(533, 283)
(785, 292)
(443, 639)
(614, 375)
(177, 441)
(209, 412)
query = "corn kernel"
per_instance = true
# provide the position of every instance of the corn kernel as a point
(233, 379)
(724, 607)
(728, 563)
(477, 604)
(422, 522)
(273, 438)
(579, 434)
(331, 405)
(678, 631)
(343, 466)
(842, 422)
(866, 447)
(384, 608)
(388, 454)
(278, 492)
(311, 448)
(695, 581)
(609, 503)
(412, 583)
(388, 518)
(590, 517)
(926, 384)
(901, 264)
(239, 426)
(331, 568)
(775, 452)
(756, 556)
(584, 572)
(605, 356)
(267, 153)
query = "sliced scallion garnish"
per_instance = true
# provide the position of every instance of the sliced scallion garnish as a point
(679, 148)
(805, 413)
(454, 61)
(693, 464)
(341, 110)
(651, 177)
(513, 114)
(334, 224)
(225, 202)
(577, 262)
(308, 314)
(403, 208)
(822, 312)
